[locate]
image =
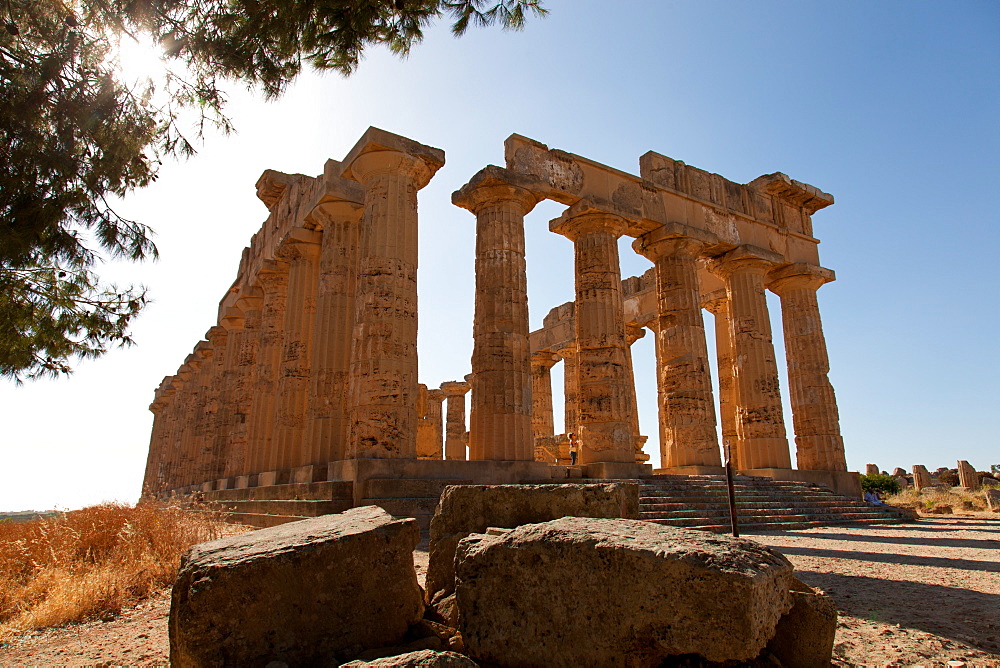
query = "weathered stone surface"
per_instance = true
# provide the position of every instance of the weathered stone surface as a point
(993, 499)
(470, 509)
(967, 476)
(898, 472)
(580, 591)
(804, 636)
(299, 592)
(921, 478)
(871, 469)
(423, 659)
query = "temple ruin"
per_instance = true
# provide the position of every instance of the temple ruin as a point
(310, 373)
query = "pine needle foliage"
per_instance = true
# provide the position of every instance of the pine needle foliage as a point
(75, 133)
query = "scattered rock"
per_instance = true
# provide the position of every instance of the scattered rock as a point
(578, 591)
(805, 634)
(468, 509)
(302, 592)
(993, 499)
(422, 659)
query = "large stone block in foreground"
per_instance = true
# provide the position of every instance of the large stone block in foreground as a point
(468, 509)
(299, 593)
(578, 591)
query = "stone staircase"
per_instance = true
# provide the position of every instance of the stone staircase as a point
(276, 504)
(762, 504)
(408, 498)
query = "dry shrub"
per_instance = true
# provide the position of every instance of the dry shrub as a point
(933, 497)
(92, 563)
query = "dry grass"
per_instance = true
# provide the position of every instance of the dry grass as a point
(932, 500)
(92, 563)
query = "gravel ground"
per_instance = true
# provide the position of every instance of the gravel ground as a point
(909, 594)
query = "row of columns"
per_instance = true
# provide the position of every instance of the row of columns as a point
(316, 359)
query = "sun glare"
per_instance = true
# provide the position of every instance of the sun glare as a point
(140, 60)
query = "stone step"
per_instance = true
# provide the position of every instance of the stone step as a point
(301, 508)
(318, 491)
(394, 488)
(258, 520)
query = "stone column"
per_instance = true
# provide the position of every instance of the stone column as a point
(967, 476)
(301, 250)
(685, 378)
(328, 424)
(632, 334)
(500, 419)
(383, 376)
(542, 422)
(245, 342)
(187, 412)
(571, 387)
(921, 478)
(152, 482)
(435, 424)
(273, 280)
(819, 444)
(174, 427)
(219, 389)
(718, 304)
(604, 394)
(454, 439)
(760, 423)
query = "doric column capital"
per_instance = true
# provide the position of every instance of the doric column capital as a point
(455, 388)
(250, 300)
(544, 359)
(379, 152)
(217, 336)
(744, 258)
(493, 185)
(233, 319)
(798, 276)
(273, 276)
(715, 301)
(633, 333)
(435, 395)
(327, 212)
(299, 244)
(673, 239)
(567, 352)
(577, 222)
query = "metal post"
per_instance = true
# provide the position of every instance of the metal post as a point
(734, 522)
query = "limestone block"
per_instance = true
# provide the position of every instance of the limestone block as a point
(616, 592)
(805, 634)
(470, 509)
(921, 477)
(426, 658)
(897, 472)
(871, 469)
(967, 476)
(298, 593)
(993, 499)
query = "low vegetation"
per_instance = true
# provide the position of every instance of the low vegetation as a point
(941, 499)
(879, 482)
(92, 563)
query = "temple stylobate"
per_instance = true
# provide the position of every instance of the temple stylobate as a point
(310, 373)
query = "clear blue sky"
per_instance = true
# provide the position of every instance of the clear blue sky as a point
(890, 106)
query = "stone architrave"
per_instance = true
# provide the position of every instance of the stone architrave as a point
(818, 442)
(328, 424)
(683, 366)
(454, 438)
(273, 279)
(542, 422)
(718, 304)
(921, 477)
(967, 476)
(872, 469)
(500, 414)
(383, 375)
(759, 419)
(605, 397)
(301, 251)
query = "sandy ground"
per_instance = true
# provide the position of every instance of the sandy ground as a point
(908, 594)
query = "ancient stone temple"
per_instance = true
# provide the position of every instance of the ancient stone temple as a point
(310, 373)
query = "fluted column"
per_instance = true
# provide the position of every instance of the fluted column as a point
(500, 414)
(685, 378)
(604, 395)
(571, 387)
(718, 304)
(187, 414)
(273, 280)
(818, 442)
(542, 422)
(245, 344)
(759, 419)
(383, 376)
(152, 482)
(435, 421)
(632, 334)
(218, 399)
(328, 425)
(174, 427)
(301, 250)
(454, 435)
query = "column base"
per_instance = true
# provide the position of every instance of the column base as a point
(616, 470)
(244, 481)
(691, 470)
(846, 483)
(269, 478)
(309, 473)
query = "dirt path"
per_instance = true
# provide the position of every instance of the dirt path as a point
(924, 593)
